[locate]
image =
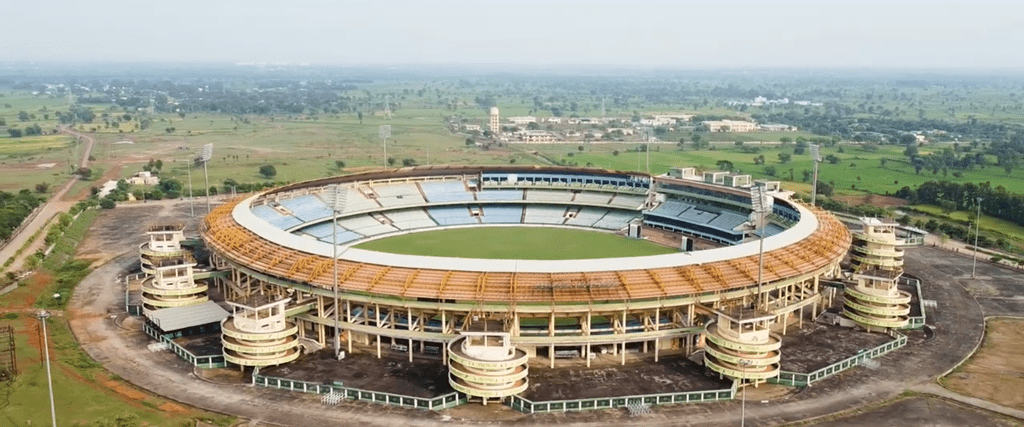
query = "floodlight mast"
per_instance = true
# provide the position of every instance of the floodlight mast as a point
(815, 157)
(759, 202)
(340, 200)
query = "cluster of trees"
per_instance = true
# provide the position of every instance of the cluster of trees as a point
(27, 131)
(952, 196)
(14, 208)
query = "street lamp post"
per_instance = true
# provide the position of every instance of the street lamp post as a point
(744, 363)
(43, 315)
(977, 229)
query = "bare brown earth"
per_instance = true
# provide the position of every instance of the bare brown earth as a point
(872, 199)
(996, 371)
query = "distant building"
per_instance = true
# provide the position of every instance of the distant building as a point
(535, 136)
(777, 128)
(730, 126)
(522, 120)
(471, 128)
(495, 122)
(143, 178)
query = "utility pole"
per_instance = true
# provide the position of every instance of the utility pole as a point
(191, 201)
(977, 229)
(815, 157)
(384, 132)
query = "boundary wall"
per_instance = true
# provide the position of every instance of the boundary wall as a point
(796, 379)
(444, 401)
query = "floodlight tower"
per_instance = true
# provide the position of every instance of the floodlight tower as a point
(759, 203)
(340, 200)
(384, 132)
(205, 157)
(815, 157)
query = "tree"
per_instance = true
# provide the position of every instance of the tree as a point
(770, 170)
(883, 161)
(107, 203)
(23, 116)
(784, 157)
(833, 159)
(42, 187)
(15, 133)
(85, 173)
(408, 162)
(696, 140)
(268, 171)
(825, 189)
(580, 148)
(360, 114)
(340, 164)
(807, 175)
(615, 152)
(724, 165)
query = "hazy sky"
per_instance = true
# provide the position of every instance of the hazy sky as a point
(682, 33)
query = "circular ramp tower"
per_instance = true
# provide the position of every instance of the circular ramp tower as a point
(741, 346)
(258, 334)
(874, 301)
(171, 284)
(486, 365)
(169, 270)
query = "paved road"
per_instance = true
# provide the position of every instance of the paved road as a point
(52, 207)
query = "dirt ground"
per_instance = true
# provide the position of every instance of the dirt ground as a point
(996, 371)
(871, 199)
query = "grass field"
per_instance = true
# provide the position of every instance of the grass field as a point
(542, 243)
(996, 371)
(856, 172)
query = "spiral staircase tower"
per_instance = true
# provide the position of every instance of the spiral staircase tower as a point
(258, 333)
(169, 270)
(874, 301)
(486, 365)
(741, 346)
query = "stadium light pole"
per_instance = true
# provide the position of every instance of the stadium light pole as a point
(759, 202)
(43, 315)
(977, 230)
(340, 200)
(815, 157)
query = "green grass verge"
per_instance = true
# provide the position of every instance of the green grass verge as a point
(539, 243)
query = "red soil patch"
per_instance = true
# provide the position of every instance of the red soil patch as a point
(173, 407)
(36, 283)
